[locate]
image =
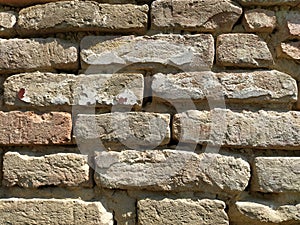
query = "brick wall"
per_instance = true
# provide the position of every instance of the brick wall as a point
(150, 112)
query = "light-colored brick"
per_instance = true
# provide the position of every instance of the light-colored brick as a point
(258, 87)
(276, 174)
(292, 23)
(268, 2)
(53, 211)
(117, 130)
(289, 50)
(49, 89)
(259, 20)
(62, 169)
(8, 19)
(181, 211)
(109, 54)
(262, 129)
(171, 170)
(21, 55)
(27, 128)
(216, 15)
(82, 16)
(243, 50)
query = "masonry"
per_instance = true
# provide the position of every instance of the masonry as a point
(141, 112)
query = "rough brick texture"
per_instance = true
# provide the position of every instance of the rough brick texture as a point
(8, 20)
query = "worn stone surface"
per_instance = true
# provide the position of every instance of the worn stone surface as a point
(62, 169)
(181, 211)
(259, 20)
(262, 129)
(82, 16)
(171, 170)
(243, 50)
(109, 54)
(118, 130)
(289, 50)
(27, 128)
(215, 15)
(8, 19)
(276, 174)
(268, 2)
(293, 24)
(21, 55)
(259, 214)
(53, 211)
(22, 3)
(259, 87)
(49, 89)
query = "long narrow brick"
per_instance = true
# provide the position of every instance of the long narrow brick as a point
(110, 54)
(268, 2)
(21, 55)
(131, 130)
(181, 211)
(53, 211)
(62, 169)
(26, 128)
(101, 90)
(82, 16)
(171, 170)
(263, 129)
(258, 87)
(276, 174)
(216, 15)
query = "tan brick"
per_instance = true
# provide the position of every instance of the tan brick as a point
(259, 20)
(216, 15)
(53, 211)
(292, 23)
(262, 129)
(21, 55)
(171, 170)
(181, 211)
(289, 50)
(25, 128)
(276, 174)
(82, 16)
(243, 50)
(8, 19)
(62, 169)
(123, 130)
(109, 54)
(268, 2)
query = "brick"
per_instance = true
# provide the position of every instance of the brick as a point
(181, 211)
(82, 16)
(62, 169)
(235, 87)
(259, 20)
(244, 212)
(276, 174)
(269, 2)
(262, 129)
(243, 50)
(101, 90)
(109, 54)
(22, 55)
(292, 23)
(123, 130)
(215, 15)
(27, 128)
(8, 19)
(289, 50)
(53, 211)
(171, 170)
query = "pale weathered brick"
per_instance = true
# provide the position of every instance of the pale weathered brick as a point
(21, 55)
(82, 16)
(182, 211)
(259, 20)
(268, 2)
(49, 89)
(8, 19)
(171, 170)
(62, 169)
(262, 129)
(25, 128)
(216, 15)
(246, 212)
(123, 130)
(258, 87)
(109, 54)
(292, 23)
(289, 50)
(53, 211)
(243, 50)
(276, 174)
